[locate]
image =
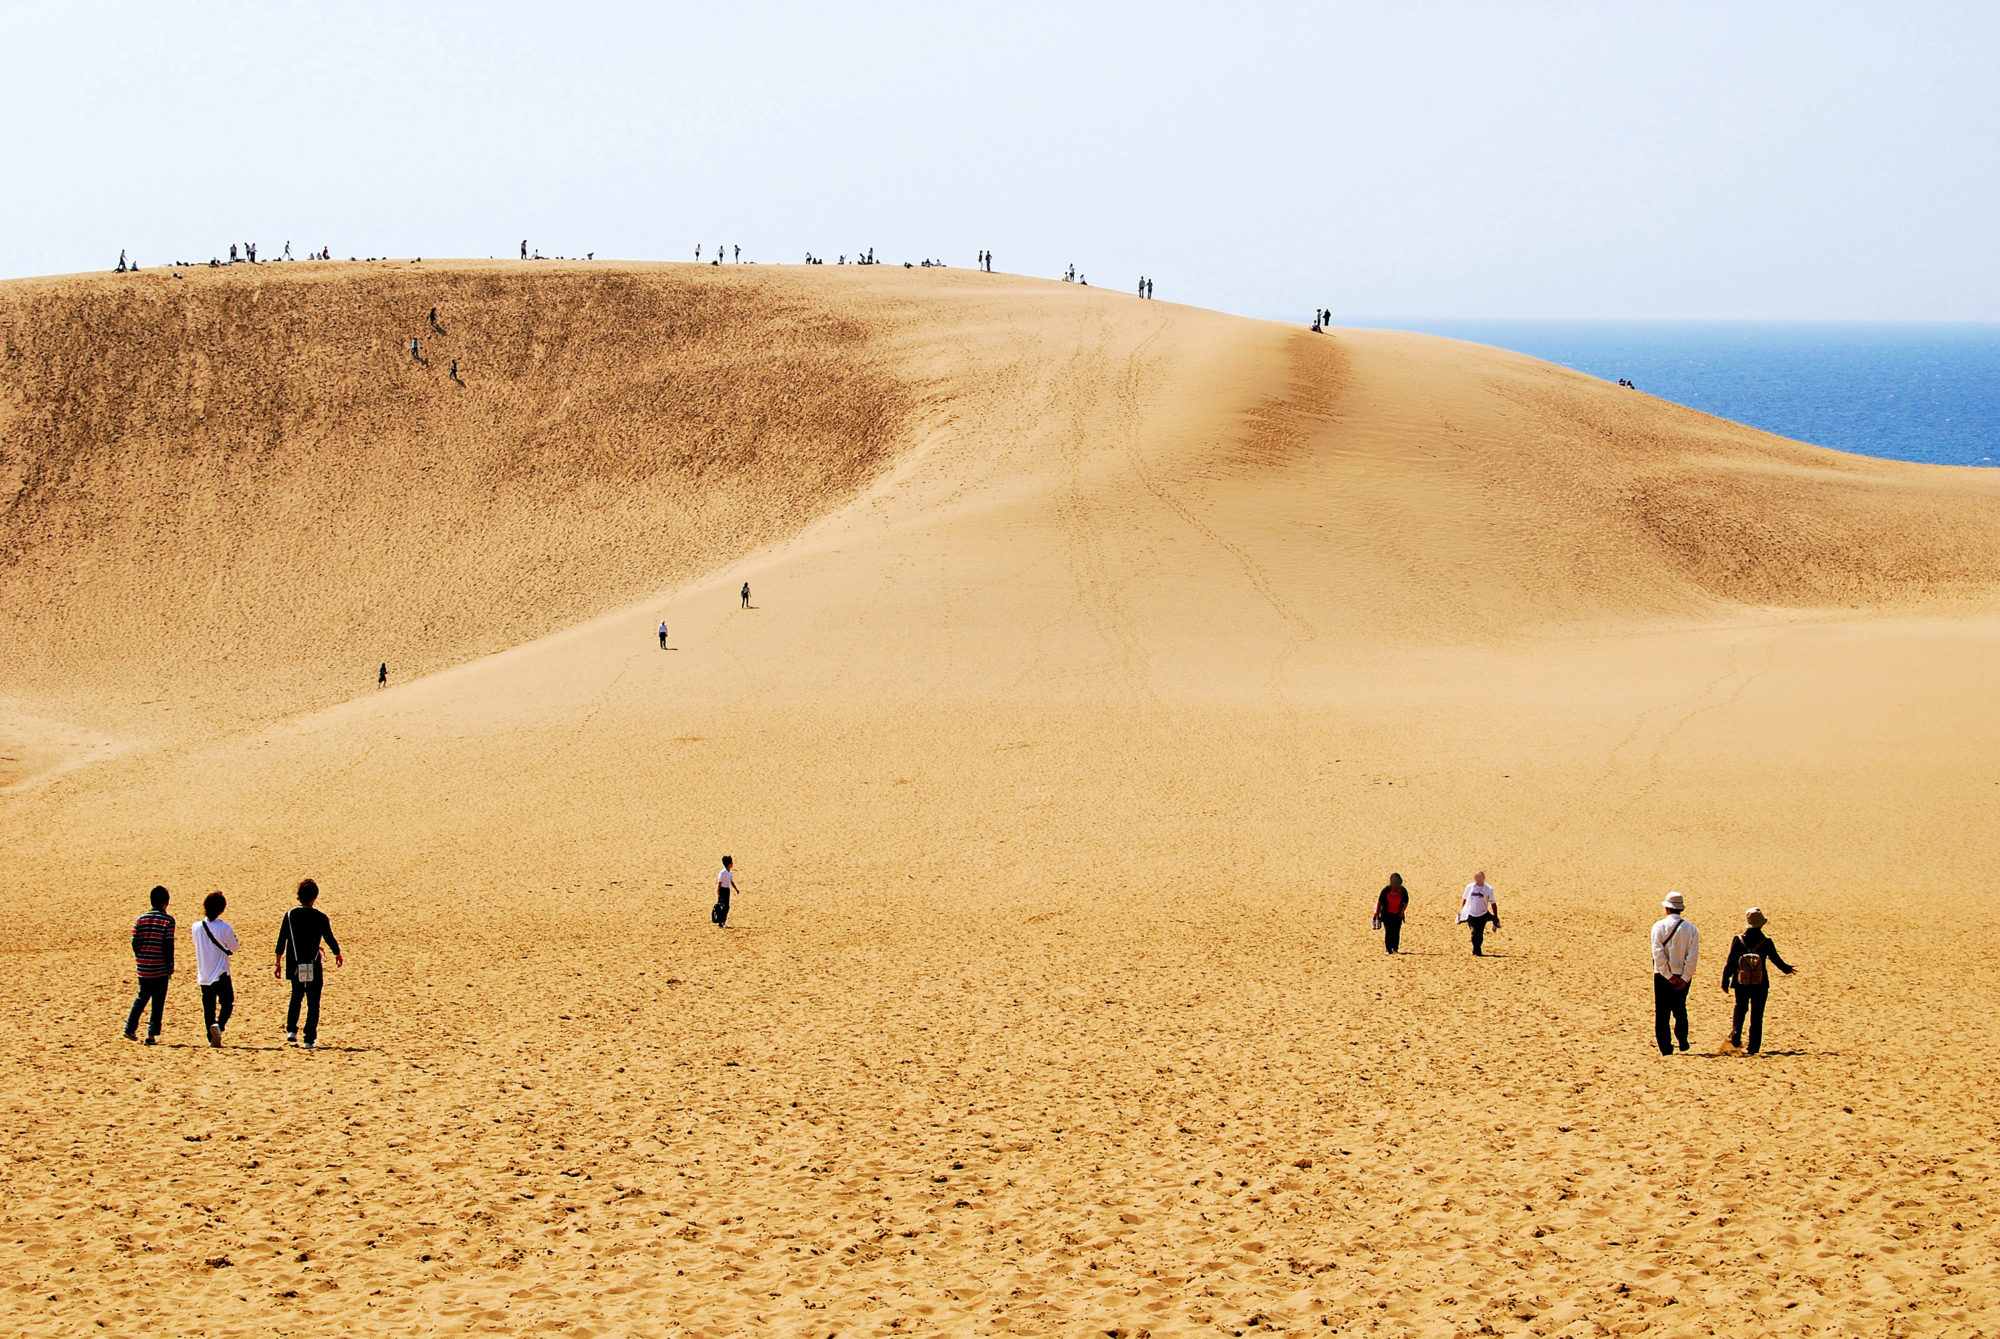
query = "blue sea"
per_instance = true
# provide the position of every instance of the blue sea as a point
(1907, 392)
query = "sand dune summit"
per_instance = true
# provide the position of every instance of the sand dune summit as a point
(1103, 658)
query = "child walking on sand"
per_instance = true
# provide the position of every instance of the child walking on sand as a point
(725, 884)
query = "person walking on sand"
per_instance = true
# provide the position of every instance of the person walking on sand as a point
(302, 960)
(1390, 907)
(153, 963)
(1480, 909)
(663, 634)
(746, 595)
(725, 884)
(382, 676)
(1752, 955)
(214, 942)
(1676, 945)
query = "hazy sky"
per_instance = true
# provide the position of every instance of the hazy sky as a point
(1425, 161)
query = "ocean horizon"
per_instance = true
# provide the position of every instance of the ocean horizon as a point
(1926, 392)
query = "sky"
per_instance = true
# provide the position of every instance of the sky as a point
(1814, 161)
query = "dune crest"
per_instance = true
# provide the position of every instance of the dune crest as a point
(1103, 658)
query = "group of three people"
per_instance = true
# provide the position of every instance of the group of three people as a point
(304, 935)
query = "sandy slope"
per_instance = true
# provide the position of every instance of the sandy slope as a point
(1105, 656)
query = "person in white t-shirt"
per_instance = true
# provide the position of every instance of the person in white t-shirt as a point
(725, 884)
(1481, 909)
(214, 942)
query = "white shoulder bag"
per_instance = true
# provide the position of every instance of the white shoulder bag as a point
(301, 969)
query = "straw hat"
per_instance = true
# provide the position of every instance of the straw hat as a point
(1755, 917)
(1674, 902)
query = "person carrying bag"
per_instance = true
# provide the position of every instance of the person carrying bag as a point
(1748, 973)
(300, 958)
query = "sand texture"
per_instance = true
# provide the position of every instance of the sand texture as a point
(1104, 657)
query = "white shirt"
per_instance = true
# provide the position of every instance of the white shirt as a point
(210, 962)
(1478, 900)
(726, 879)
(1674, 951)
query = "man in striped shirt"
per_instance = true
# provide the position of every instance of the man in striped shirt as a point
(153, 956)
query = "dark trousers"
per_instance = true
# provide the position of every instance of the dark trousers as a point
(1670, 1007)
(1750, 999)
(721, 913)
(1392, 933)
(218, 1001)
(152, 988)
(309, 993)
(1479, 924)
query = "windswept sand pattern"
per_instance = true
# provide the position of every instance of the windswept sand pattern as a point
(1098, 675)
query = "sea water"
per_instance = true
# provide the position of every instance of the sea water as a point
(1908, 392)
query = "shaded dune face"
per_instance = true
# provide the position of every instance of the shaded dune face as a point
(237, 493)
(1752, 519)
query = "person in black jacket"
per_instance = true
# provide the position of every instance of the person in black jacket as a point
(301, 959)
(1390, 908)
(1752, 955)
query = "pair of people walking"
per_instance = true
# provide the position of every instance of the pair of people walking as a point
(1480, 909)
(1677, 949)
(299, 957)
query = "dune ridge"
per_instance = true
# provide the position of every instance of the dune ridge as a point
(1089, 693)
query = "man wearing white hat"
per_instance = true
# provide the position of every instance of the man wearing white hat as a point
(1676, 944)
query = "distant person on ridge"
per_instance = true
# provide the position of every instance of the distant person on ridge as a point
(1390, 908)
(1481, 909)
(214, 942)
(663, 634)
(301, 958)
(1676, 945)
(725, 884)
(746, 595)
(382, 676)
(153, 962)
(1752, 955)
(524, 248)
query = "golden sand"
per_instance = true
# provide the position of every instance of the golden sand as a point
(1105, 657)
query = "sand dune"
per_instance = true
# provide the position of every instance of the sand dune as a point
(1104, 658)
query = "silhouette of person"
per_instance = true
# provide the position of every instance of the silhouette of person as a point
(663, 634)
(414, 351)
(524, 248)
(382, 676)
(454, 369)
(746, 595)
(739, 255)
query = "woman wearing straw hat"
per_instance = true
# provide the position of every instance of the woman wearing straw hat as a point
(1752, 955)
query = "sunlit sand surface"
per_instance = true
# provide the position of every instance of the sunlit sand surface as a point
(1104, 658)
